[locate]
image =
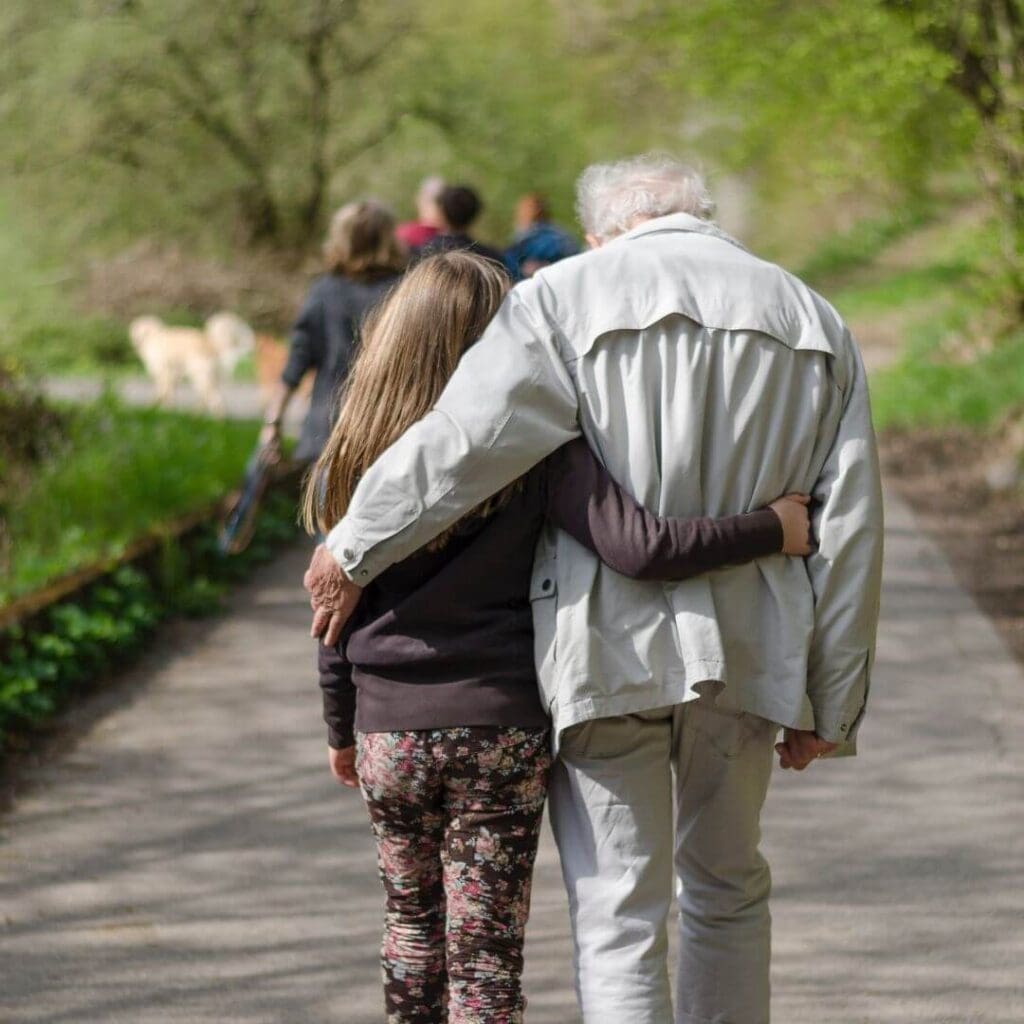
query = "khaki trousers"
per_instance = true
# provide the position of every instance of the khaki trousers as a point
(612, 800)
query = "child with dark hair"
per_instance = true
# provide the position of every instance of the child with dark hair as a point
(460, 206)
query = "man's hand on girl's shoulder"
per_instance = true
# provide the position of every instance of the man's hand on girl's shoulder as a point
(332, 596)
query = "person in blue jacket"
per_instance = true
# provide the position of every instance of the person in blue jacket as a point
(537, 243)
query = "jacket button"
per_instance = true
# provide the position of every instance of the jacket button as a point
(546, 586)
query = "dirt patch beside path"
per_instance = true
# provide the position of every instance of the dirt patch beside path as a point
(939, 474)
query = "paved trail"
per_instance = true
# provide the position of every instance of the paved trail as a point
(191, 861)
(242, 398)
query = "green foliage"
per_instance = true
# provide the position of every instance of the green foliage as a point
(246, 122)
(83, 345)
(502, 97)
(823, 97)
(186, 107)
(121, 471)
(926, 389)
(71, 644)
(74, 643)
(956, 365)
(850, 250)
(38, 326)
(867, 99)
(30, 430)
(901, 288)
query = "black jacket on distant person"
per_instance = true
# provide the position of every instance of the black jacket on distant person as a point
(324, 338)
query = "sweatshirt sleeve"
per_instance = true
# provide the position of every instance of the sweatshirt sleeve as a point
(590, 506)
(339, 694)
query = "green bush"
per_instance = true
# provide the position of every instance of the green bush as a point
(30, 430)
(87, 345)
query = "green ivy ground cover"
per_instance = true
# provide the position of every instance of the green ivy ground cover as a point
(63, 651)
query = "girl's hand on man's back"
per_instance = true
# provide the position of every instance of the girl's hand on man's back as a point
(796, 523)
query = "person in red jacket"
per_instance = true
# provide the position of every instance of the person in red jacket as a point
(429, 223)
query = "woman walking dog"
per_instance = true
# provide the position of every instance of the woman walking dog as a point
(431, 697)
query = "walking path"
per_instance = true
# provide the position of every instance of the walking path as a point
(242, 398)
(190, 860)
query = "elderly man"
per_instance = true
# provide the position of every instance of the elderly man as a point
(709, 381)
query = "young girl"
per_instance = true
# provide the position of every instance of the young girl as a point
(435, 670)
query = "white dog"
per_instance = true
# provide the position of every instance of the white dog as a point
(202, 356)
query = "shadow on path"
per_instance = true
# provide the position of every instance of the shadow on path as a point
(190, 859)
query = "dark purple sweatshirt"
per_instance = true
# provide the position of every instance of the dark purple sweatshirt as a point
(445, 638)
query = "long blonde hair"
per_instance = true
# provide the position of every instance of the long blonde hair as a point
(410, 347)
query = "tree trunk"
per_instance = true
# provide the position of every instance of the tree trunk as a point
(312, 210)
(260, 218)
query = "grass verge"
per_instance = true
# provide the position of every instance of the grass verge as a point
(924, 389)
(119, 471)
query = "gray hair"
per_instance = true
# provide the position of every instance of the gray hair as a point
(612, 197)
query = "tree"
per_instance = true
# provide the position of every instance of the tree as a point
(984, 43)
(250, 119)
(862, 95)
(190, 104)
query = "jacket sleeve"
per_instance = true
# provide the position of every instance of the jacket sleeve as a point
(339, 694)
(846, 570)
(588, 504)
(304, 350)
(509, 404)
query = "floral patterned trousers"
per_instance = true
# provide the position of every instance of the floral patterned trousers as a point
(456, 814)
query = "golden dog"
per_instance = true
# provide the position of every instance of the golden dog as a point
(203, 356)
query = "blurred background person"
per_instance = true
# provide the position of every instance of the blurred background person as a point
(460, 206)
(429, 222)
(537, 242)
(363, 259)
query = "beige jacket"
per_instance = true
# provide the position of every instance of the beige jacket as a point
(710, 382)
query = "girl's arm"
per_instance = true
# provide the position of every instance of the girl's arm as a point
(589, 505)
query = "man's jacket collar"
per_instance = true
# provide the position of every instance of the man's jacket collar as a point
(681, 222)
(685, 266)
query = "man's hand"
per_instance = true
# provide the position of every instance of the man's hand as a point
(343, 765)
(799, 747)
(332, 595)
